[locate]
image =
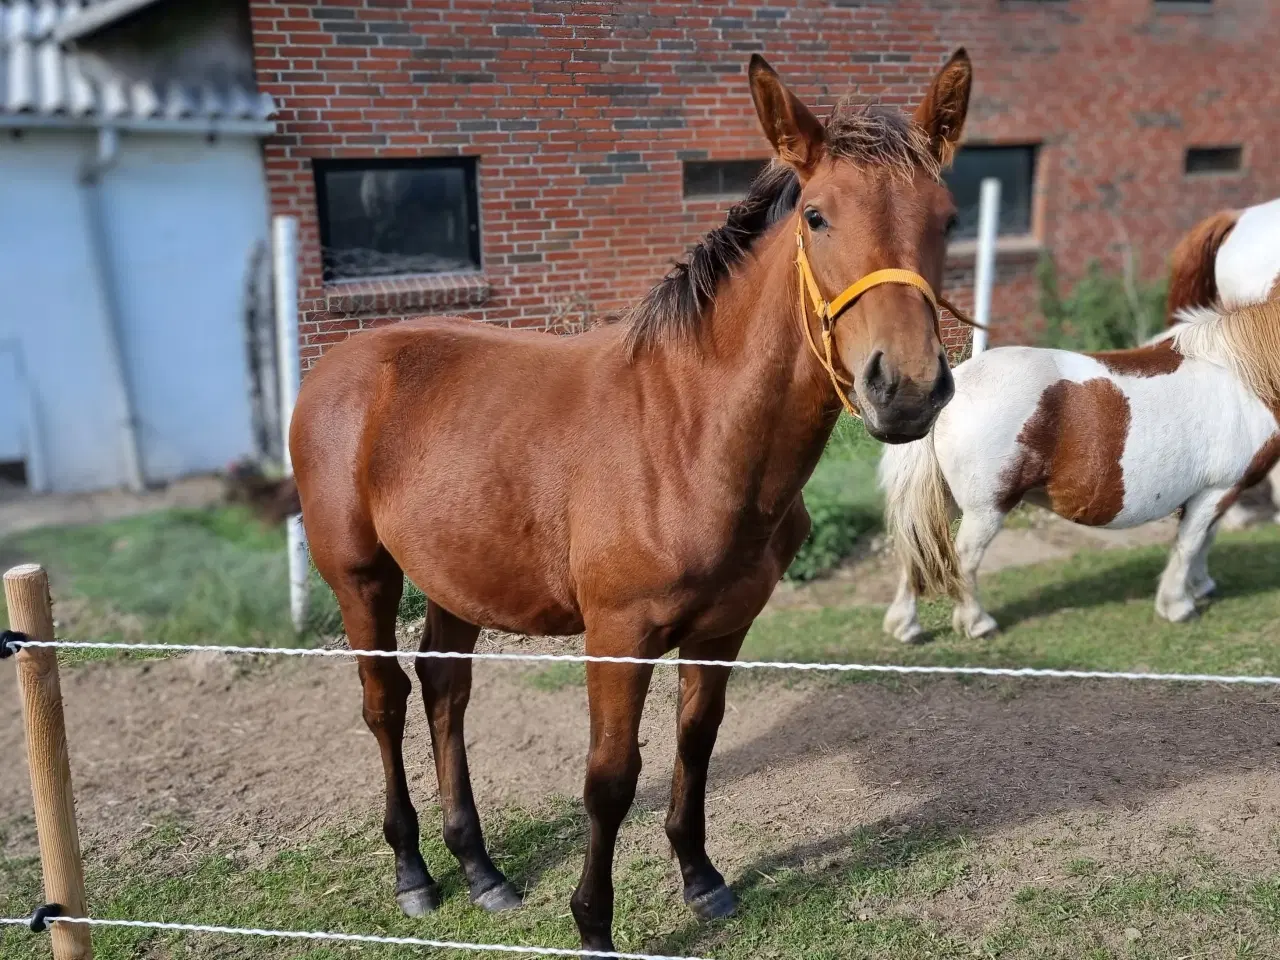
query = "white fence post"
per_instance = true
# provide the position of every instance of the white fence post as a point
(284, 243)
(985, 267)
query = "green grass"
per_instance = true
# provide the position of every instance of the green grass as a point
(213, 576)
(842, 498)
(1092, 611)
(869, 896)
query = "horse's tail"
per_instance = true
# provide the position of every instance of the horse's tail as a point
(918, 516)
(1192, 280)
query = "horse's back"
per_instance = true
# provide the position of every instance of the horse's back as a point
(1247, 267)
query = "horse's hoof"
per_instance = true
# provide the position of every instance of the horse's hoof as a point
(499, 898)
(419, 902)
(985, 627)
(1179, 611)
(714, 904)
(911, 633)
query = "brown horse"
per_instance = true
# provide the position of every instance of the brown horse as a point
(640, 481)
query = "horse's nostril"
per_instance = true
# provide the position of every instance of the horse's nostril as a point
(873, 376)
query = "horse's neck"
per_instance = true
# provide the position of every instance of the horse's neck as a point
(768, 403)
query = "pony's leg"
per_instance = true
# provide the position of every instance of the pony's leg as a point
(615, 692)
(1174, 601)
(446, 689)
(1199, 582)
(702, 695)
(369, 599)
(1237, 517)
(1273, 477)
(978, 528)
(900, 619)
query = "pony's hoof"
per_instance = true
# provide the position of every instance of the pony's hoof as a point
(419, 902)
(1178, 611)
(911, 633)
(984, 627)
(499, 898)
(714, 904)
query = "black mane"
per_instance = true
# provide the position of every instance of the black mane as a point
(674, 307)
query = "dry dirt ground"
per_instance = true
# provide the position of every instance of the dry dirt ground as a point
(258, 756)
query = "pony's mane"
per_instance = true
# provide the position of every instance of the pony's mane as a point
(857, 131)
(1245, 340)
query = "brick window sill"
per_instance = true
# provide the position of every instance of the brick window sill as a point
(419, 293)
(1008, 250)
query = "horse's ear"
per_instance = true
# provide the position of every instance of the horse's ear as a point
(796, 134)
(943, 110)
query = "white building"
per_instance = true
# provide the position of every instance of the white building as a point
(133, 209)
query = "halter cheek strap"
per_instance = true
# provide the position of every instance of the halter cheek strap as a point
(829, 312)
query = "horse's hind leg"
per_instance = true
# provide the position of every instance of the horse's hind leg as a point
(702, 696)
(1174, 600)
(369, 596)
(446, 689)
(900, 620)
(977, 529)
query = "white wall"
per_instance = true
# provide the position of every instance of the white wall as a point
(182, 218)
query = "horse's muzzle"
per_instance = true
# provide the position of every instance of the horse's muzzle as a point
(899, 410)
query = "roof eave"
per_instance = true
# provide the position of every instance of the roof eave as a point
(202, 127)
(99, 15)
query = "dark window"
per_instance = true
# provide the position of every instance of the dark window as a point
(381, 218)
(1014, 167)
(720, 178)
(1214, 159)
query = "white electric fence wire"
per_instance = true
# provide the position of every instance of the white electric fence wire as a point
(892, 668)
(351, 938)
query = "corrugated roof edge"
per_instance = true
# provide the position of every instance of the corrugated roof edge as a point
(93, 18)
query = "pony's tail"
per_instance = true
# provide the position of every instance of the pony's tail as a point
(1192, 280)
(918, 516)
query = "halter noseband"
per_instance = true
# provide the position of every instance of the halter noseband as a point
(829, 312)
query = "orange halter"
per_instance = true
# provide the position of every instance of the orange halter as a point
(829, 312)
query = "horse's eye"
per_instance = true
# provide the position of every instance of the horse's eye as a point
(814, 219)
(951, 224)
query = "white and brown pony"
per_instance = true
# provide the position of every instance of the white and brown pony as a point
(1230, 259)
(1111, 439)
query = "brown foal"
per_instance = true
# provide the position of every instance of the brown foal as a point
(639, 482)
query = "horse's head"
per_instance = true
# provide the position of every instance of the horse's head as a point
(873, 208)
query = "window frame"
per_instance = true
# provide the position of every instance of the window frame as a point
(1032, 233)
(469, 164)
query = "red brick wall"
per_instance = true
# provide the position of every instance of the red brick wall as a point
(581, 114)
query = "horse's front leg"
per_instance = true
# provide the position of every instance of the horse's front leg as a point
(616, 694)
(1174, 600)
(702, 698)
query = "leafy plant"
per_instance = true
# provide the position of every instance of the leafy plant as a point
(1104, 310)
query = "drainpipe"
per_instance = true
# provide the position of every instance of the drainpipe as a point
(90, 182)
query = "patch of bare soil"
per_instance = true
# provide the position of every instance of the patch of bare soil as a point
(21, 510)
(262, 756)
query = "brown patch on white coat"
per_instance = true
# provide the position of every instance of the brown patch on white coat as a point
(1155, 360)
(1070, 452)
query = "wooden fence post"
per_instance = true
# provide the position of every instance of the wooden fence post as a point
(26, 588)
